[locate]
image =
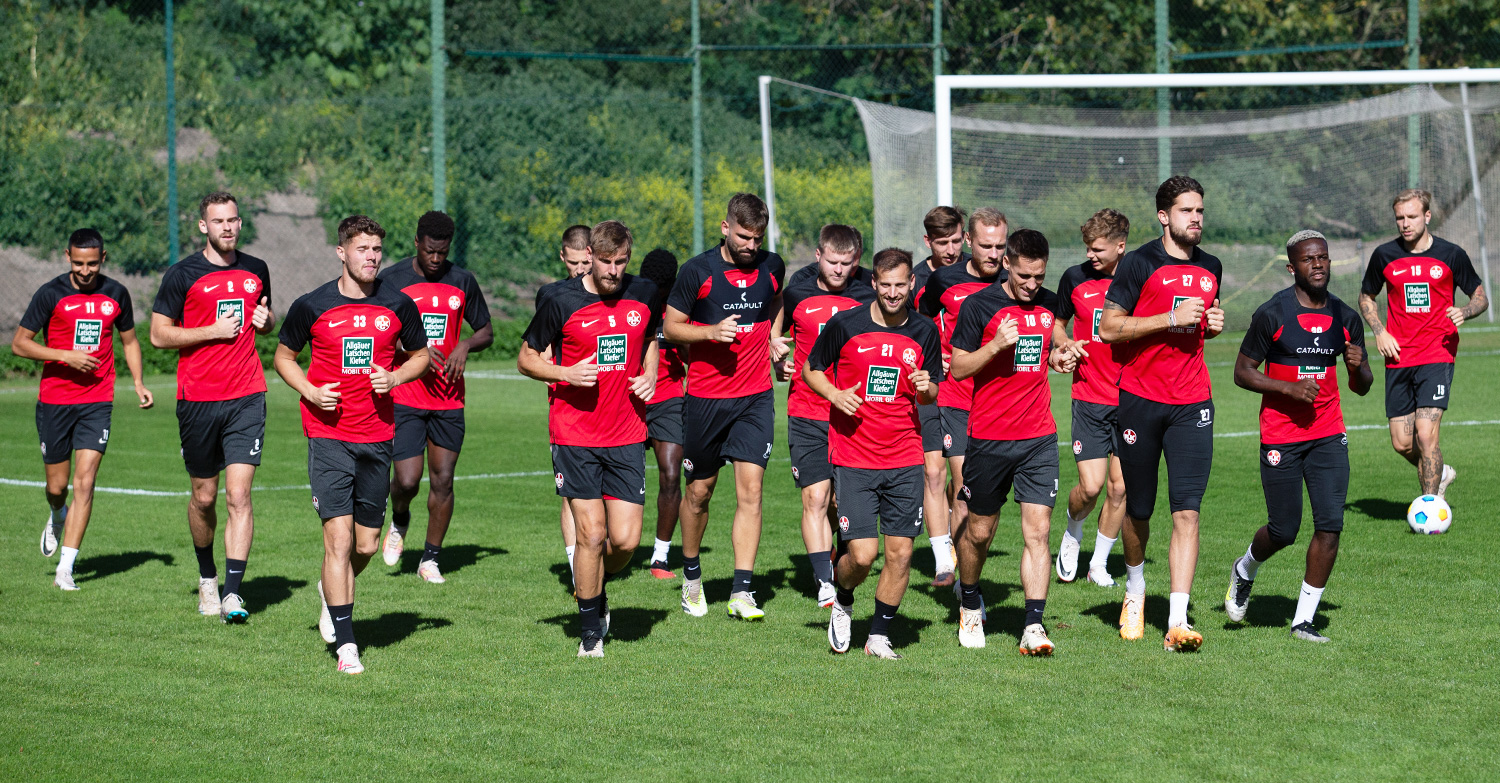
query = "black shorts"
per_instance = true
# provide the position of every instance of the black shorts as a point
(1323, 465)
(1094, 430)
(416, 427)
(1185, 433)
(349, 478)
(807, 440)
(932, 427)
(716, 431)
(1422, 386)
(62, 429)
(955, 431)
(597, 472)
(992, 467)
(664, 421)
(892, 494)
(218, 433)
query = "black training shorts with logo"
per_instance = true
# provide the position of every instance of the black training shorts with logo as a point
(416, 427)
(1323, 465)
(894, 495)
(219, 433)
(993, 467)
(955, 431)
(1422, 386)
(664, 421)
(932, 427)
(807, 440)
(349, 478)
(600, 472)
(63, 429)
(719, 430)
(1095, 427)
(1184, 433)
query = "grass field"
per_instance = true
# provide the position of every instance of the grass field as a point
(477, 678)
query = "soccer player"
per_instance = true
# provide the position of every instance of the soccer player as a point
(1420, 272)
(722, 308)
(1163, 303)
(808, 305)
(200, 311)
(575, 258)
(1003, 340)
(1300, 335)
(600, 328)
(77, 315)
(355, 325)
(942, 296)
(945, 237)
(430, 413)
(664, 417)
(1096, 399)
(874, 364)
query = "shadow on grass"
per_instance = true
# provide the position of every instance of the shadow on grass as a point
(640, 561)
(1108, 612)
(264, 592)
(1274, 611)
(764, 585)
(904, 631)
(104, 566)
(393, 627)
(453, 558)
(626, 623)
(1379, 508)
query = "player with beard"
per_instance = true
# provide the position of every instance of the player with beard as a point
(1163, 303)
(664, 417)
(942, 297)
(1003, 340)
(601, 328)
(807, 307)
(1420, 273)
(201, 311)
(1096, 398)
(945, 237)
(354, 327)
(1300, 335)
(430, 413)
(575, 259)
(77, 315)
(722, 308)
(874, 364)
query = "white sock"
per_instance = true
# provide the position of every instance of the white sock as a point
(60, 514)
(942, 552)
(1249, 566)
(659, 553)
(65, 565)
(569, 550)
(1075, 526)
(1177, 610)
(1102, 546)
(1135, 578)
(1307, 604)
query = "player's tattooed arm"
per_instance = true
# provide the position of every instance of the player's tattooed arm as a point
(1478, 303)
(134, 362)
(24, 345)
(1247, 375)
(1385, 342)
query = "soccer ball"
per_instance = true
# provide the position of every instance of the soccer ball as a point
(1429, 514)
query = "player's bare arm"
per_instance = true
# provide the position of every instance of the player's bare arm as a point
(1215, 317)
(325, 397)
(452, 365)
(532, 364)
(167, 335)
(1385, 342)
(847, 400)
(677, 329)
(1358, 365)
(24, 345)
(136, 365)
(1062, 360)
(1247, 375)
(1061, 339)
(967, 364)
(383, 380)
(1478, 303)
(781, 352)
(644, 385)
(261, 318)
(1117, 325)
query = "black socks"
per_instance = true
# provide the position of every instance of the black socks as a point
(206, 569)
(234, 572)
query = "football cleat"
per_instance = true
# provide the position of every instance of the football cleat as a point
(880, 647)
(232, 609)
(349, 660)
(839, 622)
(1237, 597)
(984, 612)
(693, 601)
(970, 628)
(1034, 640)
(1449, 474)
(1100, 576)
(64, 581)
(325, 621)
(391, 548)
(1067, 558)
(1133, 617)
(742, 605)
(51, 533)
(1308, 633)
(1182, 638)
(827, 594)
(591, 646)
(660, 571)
(208, 596)
(430, 573)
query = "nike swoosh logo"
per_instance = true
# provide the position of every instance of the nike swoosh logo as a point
(960, 298)
(1204, 423)
(236, 572)
(1435, 397)
(341, 619)
(209, 288)
(1167, 280)
(1085, 296)
(587, 324)
(253, 452)
(71, 308)
(332, 324)
(1398, 272)
(862, 350)
(811, 310)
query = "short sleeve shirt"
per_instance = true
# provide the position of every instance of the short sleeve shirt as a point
(710, 289)
(444, 305)
(71, 320)
(808, 309)
(1419, 291)
(1300, 343)
(1080, 298)
(1012, 400)
(196, 292)
(942, 296)
(1167, 366)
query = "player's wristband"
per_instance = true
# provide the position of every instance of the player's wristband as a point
(1171, 318)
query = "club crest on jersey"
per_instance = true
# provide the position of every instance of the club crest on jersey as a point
(881, 383)
(86, 334)
(1273, 457)
(1206, 283)
(1436, 272)
(1047, 320)
(454, 302)
(382, 322)
(843, 524)
(633, 318)
(909, 358)
(108, 308)
(1129, 437)
(436, 327)
(1077, 447)
(559, 479)
(359, 354)
(1029, 352)
(1418, 297)
(250, 285)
